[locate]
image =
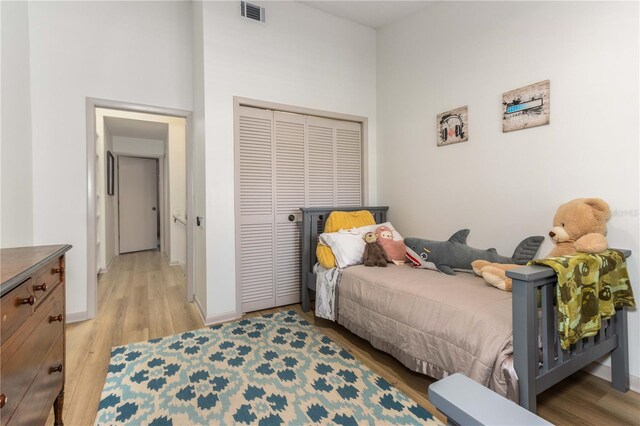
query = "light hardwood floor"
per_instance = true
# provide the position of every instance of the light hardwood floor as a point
(141, 298)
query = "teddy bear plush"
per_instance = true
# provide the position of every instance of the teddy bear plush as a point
(579, 226)
(393, 250)
(373, 254)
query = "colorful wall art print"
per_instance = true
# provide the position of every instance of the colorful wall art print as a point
(453, 126)
(526, 107)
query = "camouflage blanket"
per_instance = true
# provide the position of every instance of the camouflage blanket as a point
(590, 288)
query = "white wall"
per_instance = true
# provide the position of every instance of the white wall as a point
(177, 180)
(198, 138)
(16, 223)
(302, 57)
(507, 186)
(111, 240)
(136, 52)
(138, 146)
(101, 193)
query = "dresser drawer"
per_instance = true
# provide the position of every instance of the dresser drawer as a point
(22, 358)
(44, 390)
(16, 307)
(47, 278)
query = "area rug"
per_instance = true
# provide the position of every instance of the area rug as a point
(268, 370)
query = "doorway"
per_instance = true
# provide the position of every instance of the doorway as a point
(139, 218)
(170, 229)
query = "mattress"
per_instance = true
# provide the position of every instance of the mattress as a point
(433, 323)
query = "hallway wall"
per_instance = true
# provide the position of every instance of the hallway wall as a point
(16, 192)
(81, 49)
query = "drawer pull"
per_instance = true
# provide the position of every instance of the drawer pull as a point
(59, 270)
(57, 369)
(3, 400)
(41, 287)
(28, 300)
(55, 318)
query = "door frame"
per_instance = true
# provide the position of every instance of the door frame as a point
(160, 195)
(92, 272)
(274, 106)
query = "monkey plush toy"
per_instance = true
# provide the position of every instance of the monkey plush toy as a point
(373, 254)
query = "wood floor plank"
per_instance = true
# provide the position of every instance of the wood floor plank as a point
(137, 317)
(182, 315)
(118, 317)
(160, 324)
(623, 405)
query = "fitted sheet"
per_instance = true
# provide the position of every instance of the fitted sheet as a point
(433, 323)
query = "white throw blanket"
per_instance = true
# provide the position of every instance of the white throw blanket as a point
(326, 284)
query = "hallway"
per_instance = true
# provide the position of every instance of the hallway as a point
(141, 297)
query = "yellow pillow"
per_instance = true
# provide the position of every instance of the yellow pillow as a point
(337, 221)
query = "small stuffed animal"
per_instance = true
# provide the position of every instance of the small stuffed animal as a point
(578, 226)
(373, 254)
(393, 250)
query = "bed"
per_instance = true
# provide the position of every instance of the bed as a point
(438, 325)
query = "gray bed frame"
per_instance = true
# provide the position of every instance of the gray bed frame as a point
(538, 368)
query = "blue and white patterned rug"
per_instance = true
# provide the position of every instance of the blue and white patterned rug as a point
(268, 370)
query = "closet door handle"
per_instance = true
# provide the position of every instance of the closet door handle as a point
(291, 218)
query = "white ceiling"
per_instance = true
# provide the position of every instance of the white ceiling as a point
(129, 128)
(374, 14)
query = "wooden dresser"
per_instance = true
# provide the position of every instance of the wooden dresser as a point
(32, 316)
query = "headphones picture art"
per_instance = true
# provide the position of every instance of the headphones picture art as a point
(453, 126)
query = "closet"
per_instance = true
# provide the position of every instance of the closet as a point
(285, 161)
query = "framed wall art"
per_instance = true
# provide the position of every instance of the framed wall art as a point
(453, 126)
(526, 107)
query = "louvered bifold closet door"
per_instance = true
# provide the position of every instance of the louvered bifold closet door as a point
(348, 164)
(334, 163)
(283, 162)
(255, 233)
(321, 162)
(290, 185)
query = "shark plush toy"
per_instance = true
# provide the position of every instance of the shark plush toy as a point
(455, 254)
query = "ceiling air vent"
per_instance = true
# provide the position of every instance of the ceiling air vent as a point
(251, 11)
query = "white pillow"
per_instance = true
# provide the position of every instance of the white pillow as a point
(348, 245)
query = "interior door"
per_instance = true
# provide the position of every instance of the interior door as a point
(138, 203)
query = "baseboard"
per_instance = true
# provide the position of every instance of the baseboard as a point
(77, 317)
(196, 302)
(226, 317)
(604, 372)
(105, 270)
(183, 265)
(215, 319)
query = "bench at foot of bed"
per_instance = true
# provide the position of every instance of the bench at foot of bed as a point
(466, 402)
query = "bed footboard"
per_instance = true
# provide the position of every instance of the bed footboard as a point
(541, 366)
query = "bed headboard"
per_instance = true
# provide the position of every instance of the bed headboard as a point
(313, 219)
